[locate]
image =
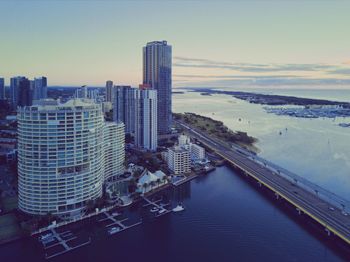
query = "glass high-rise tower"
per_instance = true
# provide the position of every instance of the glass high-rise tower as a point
(157, 75)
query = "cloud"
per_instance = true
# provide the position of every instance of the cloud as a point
(247, 67)
(265, 82)
(234, 76)
(340, 71)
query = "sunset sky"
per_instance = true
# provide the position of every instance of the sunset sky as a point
(214, 43)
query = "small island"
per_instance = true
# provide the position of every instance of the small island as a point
(218, 130)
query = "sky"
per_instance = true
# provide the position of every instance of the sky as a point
(215, 43)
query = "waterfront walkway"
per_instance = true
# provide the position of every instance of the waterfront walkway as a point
(332, 217)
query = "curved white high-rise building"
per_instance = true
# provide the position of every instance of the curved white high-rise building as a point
(60, 156)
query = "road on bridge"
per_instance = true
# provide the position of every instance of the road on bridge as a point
(331, 217)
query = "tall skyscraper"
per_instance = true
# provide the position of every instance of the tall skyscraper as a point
(65, 154)
(40, 88)
(24, 92)
(124, 107)
(146, 134)
(109, 91)
(2, 88)
(157, 74)
(19, 91)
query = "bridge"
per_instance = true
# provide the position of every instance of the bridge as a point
(324, 207)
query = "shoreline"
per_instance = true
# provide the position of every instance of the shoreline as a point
(266, 99)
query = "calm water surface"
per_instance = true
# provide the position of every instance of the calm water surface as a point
(317, 149)
(226, 219)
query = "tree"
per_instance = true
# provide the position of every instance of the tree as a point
(145, 185)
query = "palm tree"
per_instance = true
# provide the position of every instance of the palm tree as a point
(152, 184)
(145, 185)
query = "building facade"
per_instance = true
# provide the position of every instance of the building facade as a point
(109, 91)
(2, 89)
(61, 156)
(179, 160)
(197, 152)
(146, 132)
(184, 141)
(40, 88)
(20, 92)
(114, 154)
(124, 99)
(157, 75)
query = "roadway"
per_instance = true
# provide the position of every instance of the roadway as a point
(329, 216)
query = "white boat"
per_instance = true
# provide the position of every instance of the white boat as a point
(161, 211)
(113, 230)
(45, 237)
(178, 208)
(115, 214)
(154, 209)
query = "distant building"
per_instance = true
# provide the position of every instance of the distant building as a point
(81, 92)
(40, 88)
(109, 91)
(2, 89)
(25, 93)
(179, 160)
(66, 152)
(157, 75)
(149, 181)
(106, 107)
(20, 92)
(93, 94)
(146, 135)
(124, 99)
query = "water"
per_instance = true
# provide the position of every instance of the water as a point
(316, 149)
(226, 219)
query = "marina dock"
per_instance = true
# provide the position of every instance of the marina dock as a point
(161, 210)
(117, 222)
(62, 242)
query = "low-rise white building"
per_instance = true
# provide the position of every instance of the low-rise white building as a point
(179, 160)
(197, 152)
(183, 140)
(149, 181)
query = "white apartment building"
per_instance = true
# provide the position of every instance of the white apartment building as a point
(63, 157)
(179, 160)
(146, 131)
(197, 152)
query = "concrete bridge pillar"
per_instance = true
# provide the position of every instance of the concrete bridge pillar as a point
(259, 184)
(299, 211)
(277, 196)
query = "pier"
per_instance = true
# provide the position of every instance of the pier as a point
(62, 241)
(322, 206)
(117, 222)
(161, 207)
